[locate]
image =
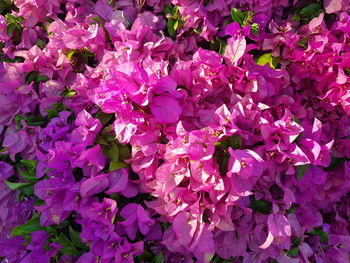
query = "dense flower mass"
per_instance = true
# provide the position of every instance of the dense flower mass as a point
(174, 131)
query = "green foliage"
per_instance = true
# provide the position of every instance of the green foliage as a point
(79, 58)
(76, 240)
(218, 45)
(111, 151)
(301, 170)
(27, 170)
(336, 162)
(174, 20)
(103, 117)
(31, 121)
(14, 28)
(36, 77)
(68, 246)
(244, 19)
(306, 14)
(261, 206)
(116, 165)
(293, 252)
(268, 59)
(32, 225)
(238, 16)
(68, 93)
(303, 42)
(159, 258)
(317, 231)
(41, 44)
(55, 109)
(291, 210)
(16, 59)
(218, 259)
(6, 6)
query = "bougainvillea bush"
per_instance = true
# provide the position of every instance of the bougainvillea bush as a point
(174, 131)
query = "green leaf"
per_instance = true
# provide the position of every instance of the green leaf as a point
(167, 9)
(197, 31)
(109, 137)
(15, 186)
(49, 19)
(159, 258)
(51, 113)
(124, 152)
(55, 109)
(312, 10)
(295, 119)
(116, 165)
(303, 42)
(71, 53)
(111, 151)
(237, 16)
(41, 44)
(14, 27)
(28, 176)
(218, 259)
(100, 140)
(266, 59)
(291, 210)
(16, 59)
(319, 232)
(31, 164)
(6, 6)
(27, 189)
(146, 256)
(10, 28)
(170, 27)
(75, 237)
(68, 247)
(261, 206)
(35, 121)
(301, 170)
(335, 162)
(248, 17)
(222, 157)
(30, 77)
(293, 251)
(68, 93)
(51, 230)
(175, 12)
(235, 141)
(254, 28)
(18, 119)
(104, 117)
(296, 242)
(176, 25)
(222, 47)
(296, 18)
(32, 225)
(41, 78)
(222, 145)
(36, 77)
(323, 237)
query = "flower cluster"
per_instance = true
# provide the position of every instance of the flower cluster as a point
(174, 131)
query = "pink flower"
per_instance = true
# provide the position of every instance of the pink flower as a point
(279, 229)
(235, 49)
(246, 163)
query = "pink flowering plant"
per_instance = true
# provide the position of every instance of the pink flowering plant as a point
(174, 131)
